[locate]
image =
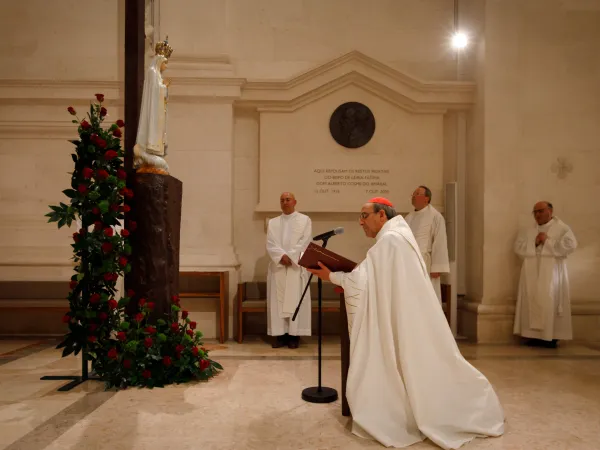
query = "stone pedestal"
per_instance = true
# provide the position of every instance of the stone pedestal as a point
(155, 243)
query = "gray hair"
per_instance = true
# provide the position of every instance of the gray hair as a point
(390, 212)
(427, 192)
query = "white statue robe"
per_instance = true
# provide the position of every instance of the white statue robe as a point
(151, 141)
(429, 228)
(288, 235)
(407, 378)
(543, 303)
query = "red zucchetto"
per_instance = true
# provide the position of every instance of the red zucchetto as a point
(382, 201)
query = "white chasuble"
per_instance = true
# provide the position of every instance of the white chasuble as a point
(288, 235)
(543, 303)
(429, 229)
(407, 378)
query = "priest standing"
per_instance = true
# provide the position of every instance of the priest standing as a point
(287, 237)
(407, 379)
(429, 229)
(543, 313)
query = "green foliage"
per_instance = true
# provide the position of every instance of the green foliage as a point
(97, 322)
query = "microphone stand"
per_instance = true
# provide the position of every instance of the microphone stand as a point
(317, 394)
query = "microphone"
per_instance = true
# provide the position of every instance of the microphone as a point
(328, 234)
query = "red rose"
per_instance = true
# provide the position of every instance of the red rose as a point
(114, 208)
(100, 143)
(167, 361)
(73, 284)
(112, 353)
(98, 225)
(92, 339)
(130, 292)
(129, 194)
(95, 298)
(193, 325)
(175, 327)
(108, 276)
(148, 342)
(127, 363)
(92, 327)
(102, 316)
(132, 225)
(150, 306)
(184, 314)
(139, 317)
(95, 210)
(142, 302)
(82, 231)
(121, 336)
(83, 189)
(66, 318)
(125, 233)
(121, 174)
(125, 208)
(146, 374)
(111, 154)
(102, 174)
(120, 123)
(100, 97)
(179, 348)
(76, 237)
(108, 232)
(103, 111)
(117, 133)
(85, 125)
(150, 330)
(107, 247)
(204, 364)
(71, 110)
(195, 351)
(112, 304)
(190, 333)
(122, 261)
(87, 173)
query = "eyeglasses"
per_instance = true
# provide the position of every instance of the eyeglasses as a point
(364, 215)
(538, 211)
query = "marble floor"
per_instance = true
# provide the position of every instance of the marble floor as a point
(551, 399)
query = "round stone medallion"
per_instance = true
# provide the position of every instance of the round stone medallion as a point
(352, 125)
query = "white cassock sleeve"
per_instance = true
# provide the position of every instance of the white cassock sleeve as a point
(295, 252)
(355, 287)
(439, 247)
(522, 247)
(561, 247)
(273, 246)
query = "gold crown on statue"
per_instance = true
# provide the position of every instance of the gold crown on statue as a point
(164, 49)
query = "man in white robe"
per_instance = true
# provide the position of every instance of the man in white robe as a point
(543, 313)
(287, 237)
(429, 229)
(407, 379)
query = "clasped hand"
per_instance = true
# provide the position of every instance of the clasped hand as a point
(286, 261)
(541, 238)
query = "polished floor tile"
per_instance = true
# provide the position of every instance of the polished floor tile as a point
(551, 399)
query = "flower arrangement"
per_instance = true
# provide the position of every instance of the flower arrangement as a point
(124, 351)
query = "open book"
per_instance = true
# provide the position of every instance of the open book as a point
(334, 262)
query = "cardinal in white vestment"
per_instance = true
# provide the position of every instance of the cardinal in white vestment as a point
(287, 237)
(429, 229)
(407, 379)
(543, 312)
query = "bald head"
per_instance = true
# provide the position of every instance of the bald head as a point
(542, 212)
(287, 201)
